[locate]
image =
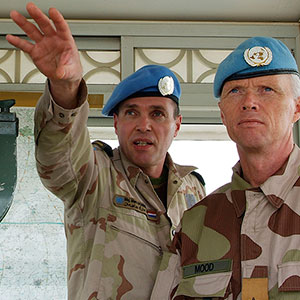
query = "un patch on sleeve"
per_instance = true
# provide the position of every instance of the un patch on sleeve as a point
(190, 200)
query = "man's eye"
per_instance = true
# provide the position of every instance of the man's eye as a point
(157, 114)
(130, 113)
(268, 89)
(234, 90)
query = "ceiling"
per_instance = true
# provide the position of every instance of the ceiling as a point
(172, 10)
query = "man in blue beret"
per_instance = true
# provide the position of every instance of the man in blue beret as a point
(242, 241)
(121, 205)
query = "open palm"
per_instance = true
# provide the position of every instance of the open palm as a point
(53, 49)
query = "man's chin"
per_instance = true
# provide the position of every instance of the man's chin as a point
(142, 163)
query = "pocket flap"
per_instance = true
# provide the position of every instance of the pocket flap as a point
(209, 285)
(289, 277)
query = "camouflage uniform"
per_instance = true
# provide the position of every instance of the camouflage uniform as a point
(116, 226)
(238, 232)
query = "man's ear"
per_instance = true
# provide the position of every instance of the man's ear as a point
(116, 123)
(297, 111)
(177, 123)
(221, 113)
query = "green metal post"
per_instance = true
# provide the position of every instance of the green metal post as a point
(9, 127)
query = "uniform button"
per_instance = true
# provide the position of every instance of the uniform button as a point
(61, 115)
(173, 232)
(74, 114)
(175, 181)
(146, 181)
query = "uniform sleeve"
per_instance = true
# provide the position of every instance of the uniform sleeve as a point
(64, 155)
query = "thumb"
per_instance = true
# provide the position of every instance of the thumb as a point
(60, 72)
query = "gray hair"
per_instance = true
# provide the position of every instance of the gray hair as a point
(295, 85)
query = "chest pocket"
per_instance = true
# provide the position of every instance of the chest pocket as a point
(289, 277)
(207, 279)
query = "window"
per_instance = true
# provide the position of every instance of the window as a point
(206, 147)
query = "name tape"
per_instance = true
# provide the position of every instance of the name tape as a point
(130, 203)
(209, 267)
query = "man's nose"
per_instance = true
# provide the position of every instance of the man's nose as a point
(249, 102)
(143, 124)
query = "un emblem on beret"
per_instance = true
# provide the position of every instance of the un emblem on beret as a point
(166, 85)
(258, 56)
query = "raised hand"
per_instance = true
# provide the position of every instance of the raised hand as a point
(52, 48)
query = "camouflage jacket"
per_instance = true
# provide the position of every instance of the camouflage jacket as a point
(238, 236)
(115, 224)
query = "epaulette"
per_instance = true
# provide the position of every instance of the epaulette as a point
(199, 177)
(104, 147)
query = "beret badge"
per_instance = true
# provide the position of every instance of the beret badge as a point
(166, 85)
(258, 56)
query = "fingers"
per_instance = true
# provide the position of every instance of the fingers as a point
(54, 52)
(41, 19)
(20, 43)
(44, 23)
(30, 29)
(62, 28)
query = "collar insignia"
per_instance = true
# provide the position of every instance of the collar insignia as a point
(258, 56)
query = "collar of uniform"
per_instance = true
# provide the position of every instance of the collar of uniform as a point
(132, 171)
(180, 170)
(238, 192)
(237, 182)
(238, 189)
(277, 187)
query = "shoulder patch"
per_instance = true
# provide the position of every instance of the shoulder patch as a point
(104, 147)
(199, 177)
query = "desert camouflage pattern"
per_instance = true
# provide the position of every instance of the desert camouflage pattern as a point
(115, 224)
(238, 234)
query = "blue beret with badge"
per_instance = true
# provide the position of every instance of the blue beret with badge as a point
(148, 81)
(257, 56)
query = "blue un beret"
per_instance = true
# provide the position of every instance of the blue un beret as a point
(150, 80)
(257, 56)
